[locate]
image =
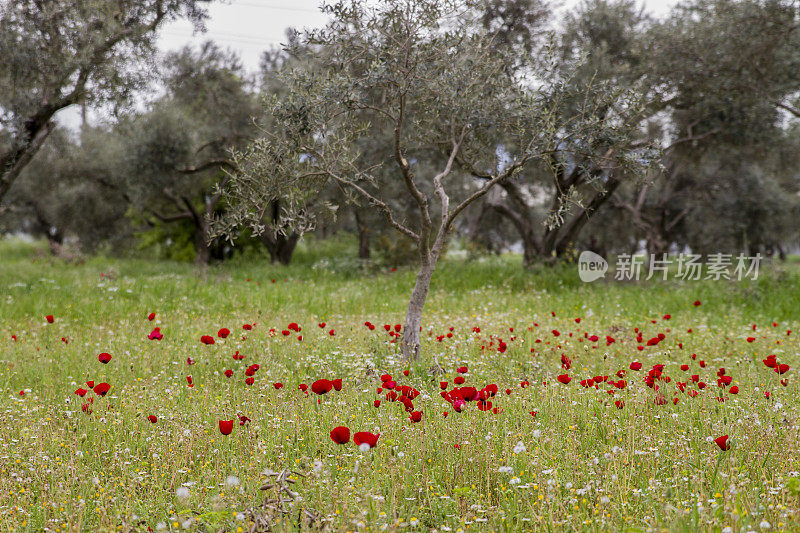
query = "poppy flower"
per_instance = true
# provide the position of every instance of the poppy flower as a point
(153, 418)
(416, 416)
(782, 368)
(247, 327)
(226, 427)
(189, 361)
(321, 386)
(278, 385)
(228, 373)
(303, 387)
(224, 332)
(151, 317)
(459, 380)
(90, 384)
(620, 404)
(81, 392)
(751, 339)
(294, 327)
(104, 358)
(340, 435)
(723, 443)
(49, 319)
(734, 390)
(337, 384)
(376, 403)
(636, 366)
(190, 381)
(696, 303)
(461, 370)
(207, 339)
(155, 335)
(564, 378)
(250, 381)
(101, 389)
(684, 367)
(243, 419)
(365, 437)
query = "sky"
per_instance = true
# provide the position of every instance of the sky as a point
(249, 27)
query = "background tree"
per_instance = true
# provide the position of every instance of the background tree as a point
(427, 72)
(59, 53)
(178, 151)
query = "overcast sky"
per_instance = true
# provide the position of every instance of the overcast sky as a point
(251, 26)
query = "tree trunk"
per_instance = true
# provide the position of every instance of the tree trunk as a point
(280, 247)
(363, 235)
(201, 246)
(411, 338)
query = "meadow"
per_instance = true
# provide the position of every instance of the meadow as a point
(541, 403)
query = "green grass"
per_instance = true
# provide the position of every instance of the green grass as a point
(586, 464)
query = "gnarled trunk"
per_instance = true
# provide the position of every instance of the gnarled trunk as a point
(363, 234)
(280, 247)
(411, 329)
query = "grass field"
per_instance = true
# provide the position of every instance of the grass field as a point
(544, 456)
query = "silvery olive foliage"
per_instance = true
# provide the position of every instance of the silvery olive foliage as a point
(58, 53)
(427, 72)
(449, 105)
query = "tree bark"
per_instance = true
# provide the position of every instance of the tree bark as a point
(363, 234)
(201, 245)
(412, 348)
(280, 247)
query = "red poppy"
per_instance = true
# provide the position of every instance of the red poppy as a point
(101, 389)
(461, 370)
(303, 387)
(207, 339)
(49, 319)
(734, 390)
(416, 416)
(228, 373)
(104, 358)
(226, 427)
(365, 437)
(564, 378)
(153, 418)
(81, 392)
(696, 303)
(459, 380)
(340, 435)
(376, 403)
(247, 327)
(278, 385)
(321, 386)
(636, 366)
(224, 332)
(155, 335)
(90, 384)
(294, 327)
(751, 339)
(782, 368)
(723, 443)
(337, 384)
(151, 317)
(250, 381)
(189, 361)
(190, 381)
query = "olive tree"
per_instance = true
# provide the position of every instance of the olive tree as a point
(429, 74)
(59, 53)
